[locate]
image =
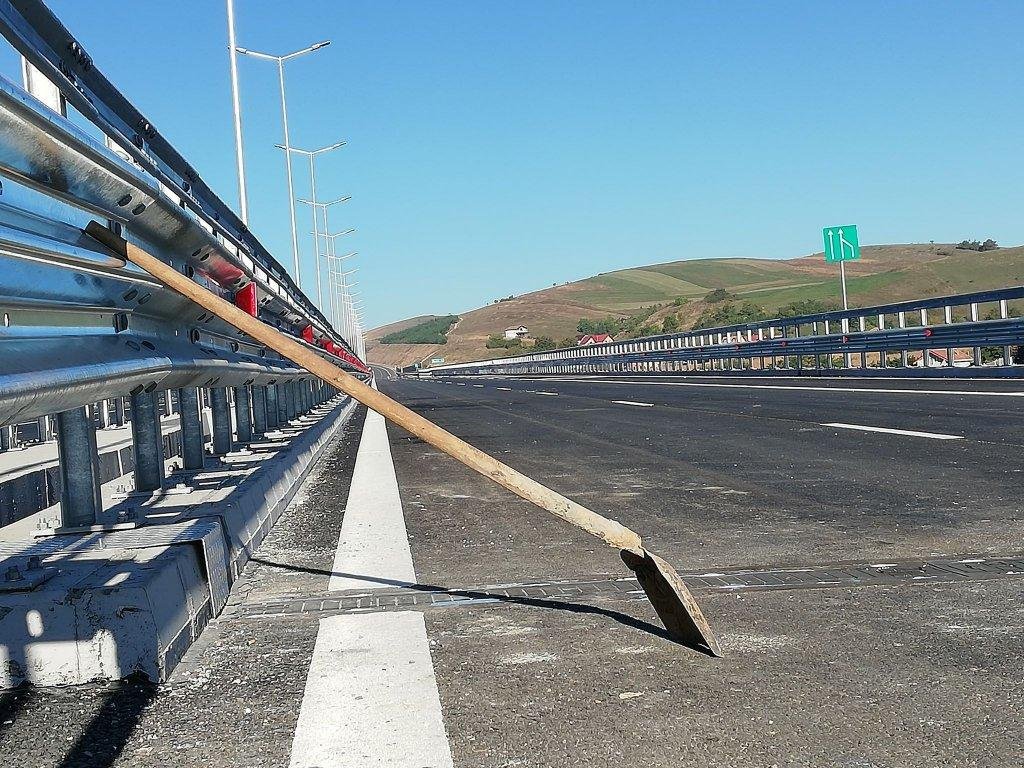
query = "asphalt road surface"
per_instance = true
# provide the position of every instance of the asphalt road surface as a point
(852, 543)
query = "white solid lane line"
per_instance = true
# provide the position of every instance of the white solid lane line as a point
(973, 393)
(630, 402)
(373, 548)
(888, 431)
(371, 696)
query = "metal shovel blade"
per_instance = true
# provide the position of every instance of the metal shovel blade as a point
(673, 602)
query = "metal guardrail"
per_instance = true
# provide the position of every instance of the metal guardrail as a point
(81, 330)
(922, 337)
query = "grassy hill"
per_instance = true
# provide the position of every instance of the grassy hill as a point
(884, 273)
(432, 331)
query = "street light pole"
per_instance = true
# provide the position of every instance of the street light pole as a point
(288, 166)
(322, 206)
(287, 139)
(311, 154)
(243, 201)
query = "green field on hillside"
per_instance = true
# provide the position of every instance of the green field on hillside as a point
(707, 274)
(432, 331)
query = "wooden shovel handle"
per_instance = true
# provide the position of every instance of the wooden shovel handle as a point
(612, 532)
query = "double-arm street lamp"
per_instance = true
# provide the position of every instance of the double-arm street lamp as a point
(312, 154)
(322, 206)
(287, 137)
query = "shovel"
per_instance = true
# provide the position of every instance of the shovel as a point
(662, 585)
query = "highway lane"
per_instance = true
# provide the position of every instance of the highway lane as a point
(712, 478)
(988, 411)
(741, 476)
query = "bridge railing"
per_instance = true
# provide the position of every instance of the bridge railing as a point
(86, 338)
(970, 334)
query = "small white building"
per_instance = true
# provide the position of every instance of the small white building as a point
(519, 332)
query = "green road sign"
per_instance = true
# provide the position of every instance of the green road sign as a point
(841, 243)
(436, 360)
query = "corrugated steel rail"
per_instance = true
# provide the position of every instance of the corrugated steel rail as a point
(942, 336)
(81, 331)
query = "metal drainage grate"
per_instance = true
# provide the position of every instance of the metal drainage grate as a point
(541, 593)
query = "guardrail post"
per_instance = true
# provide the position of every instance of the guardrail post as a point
(147, 442)
(282, 404)
(221, 420)
(80, 501)
(259, 410)
(243, 414)
(192, 442)
(290, 412)
(273, 407)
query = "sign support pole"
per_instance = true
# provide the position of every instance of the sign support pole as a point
(842, 279)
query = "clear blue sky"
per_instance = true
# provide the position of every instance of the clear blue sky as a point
(498, 147)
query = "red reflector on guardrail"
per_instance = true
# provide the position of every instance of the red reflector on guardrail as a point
(928, 332)
(245, 299)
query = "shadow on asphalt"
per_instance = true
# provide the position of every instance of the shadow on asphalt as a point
(534, 602)
(103, 740)
(99, 744)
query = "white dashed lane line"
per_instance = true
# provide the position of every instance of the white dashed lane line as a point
(630, 402)
(888, 431)
(839, 390)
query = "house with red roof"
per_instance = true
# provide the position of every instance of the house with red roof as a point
(595, 338)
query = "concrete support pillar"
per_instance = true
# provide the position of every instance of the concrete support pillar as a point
(7, 438)
(305, 404)
(193, 446)
(259, 410)
(147, 442)
(80, 501)
(102, 412)
(273, 406)
(43, 425)
(243, 414)
(221, 420)
(119, 418)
